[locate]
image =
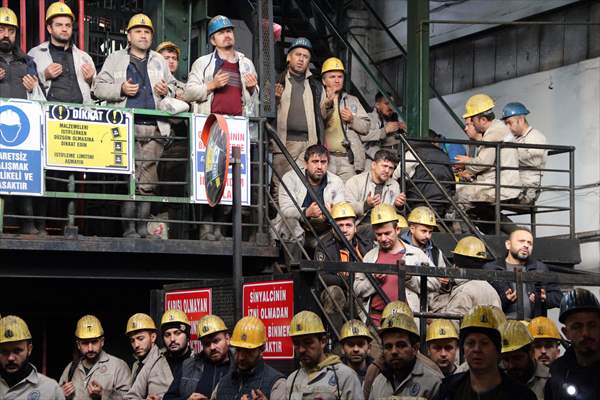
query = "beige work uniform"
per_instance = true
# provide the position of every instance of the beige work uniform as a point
(330, 380)
(538, 381)
(360, 186)
(469, 293)
(151, 376)
(110, 372)
(485, 171)
(422, 382)
(34, 387)
(531, 158)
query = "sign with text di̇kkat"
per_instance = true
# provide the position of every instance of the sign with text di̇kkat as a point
(273, 303)
(195, 303)
(239, 136)
(89, 139)
(21, 167)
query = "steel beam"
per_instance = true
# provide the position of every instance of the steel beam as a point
(417, 102)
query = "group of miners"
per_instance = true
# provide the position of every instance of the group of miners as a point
(503, 358)
(346, 153)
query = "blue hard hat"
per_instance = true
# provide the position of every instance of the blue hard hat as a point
(301, 42)
(512, 109)
(218, 23)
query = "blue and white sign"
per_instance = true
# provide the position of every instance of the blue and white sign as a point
(239, 135)
(21, 167)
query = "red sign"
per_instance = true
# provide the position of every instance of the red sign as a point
(195, 303)
(273, 303)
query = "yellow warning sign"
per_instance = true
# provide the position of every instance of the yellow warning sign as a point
(88, 139)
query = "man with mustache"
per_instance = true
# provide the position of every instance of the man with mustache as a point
(19, 380)
(546, 340)
(18, 80)
(200, 374)
(517, 358)
(403, 375)
(376, 186)
(175, 327)
(575, 374)
(321, 375)
(95, 374)
(138, 77)
(329, 189)
(251, 379)
(222, 82)
(519, 247)
(151, 374)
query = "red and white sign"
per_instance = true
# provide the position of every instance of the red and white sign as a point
(273, 303)
(195, 303)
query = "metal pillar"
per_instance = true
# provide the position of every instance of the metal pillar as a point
(417, 102)
(236, 161)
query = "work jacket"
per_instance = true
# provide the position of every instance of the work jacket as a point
(509, 388)
(422, 382)
(566, 373)
(486, 173)
(151, 376)
(110, 372)
(531, 158)
(43, 58)
(107, 85)
(203, 71)
(359, 186)
(35, 386)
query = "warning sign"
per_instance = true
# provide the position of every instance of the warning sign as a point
(195, 303)
(88, 139)
(273, 303)
(21, 148)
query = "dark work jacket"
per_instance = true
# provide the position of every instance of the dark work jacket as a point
(511, 389)
(195, 373)
(565, 371)
(553, 293)
(12, 84)
(430, 154)
(235, 384)
(137, 72)
(316, 87)
(332, 253)
(175, 362)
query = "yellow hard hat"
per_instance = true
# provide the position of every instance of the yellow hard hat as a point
(342, 209)
(174, 316)
(470, 246)
(399, 321)
(354, 328)
(498, 314)
(13, 329)
(396, 307)
(480, 317)
(332, 64)
(402, 222)
(441, 329)
(88, 327)
(423, 216)
(8, 17)
(249, 333)
(543, 328)
(210, 324)
(478, 104)
(168, 45)
(57, 9)
(140, 322)
(383, 213)
(306, 323)
(140, 20)
(514, 336)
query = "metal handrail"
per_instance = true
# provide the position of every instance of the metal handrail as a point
(438, 96)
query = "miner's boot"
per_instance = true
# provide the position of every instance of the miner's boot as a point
(28, 225)
(143, 212)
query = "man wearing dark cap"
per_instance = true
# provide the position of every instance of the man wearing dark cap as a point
(175, 328)
(575, 374)
(481, 343)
